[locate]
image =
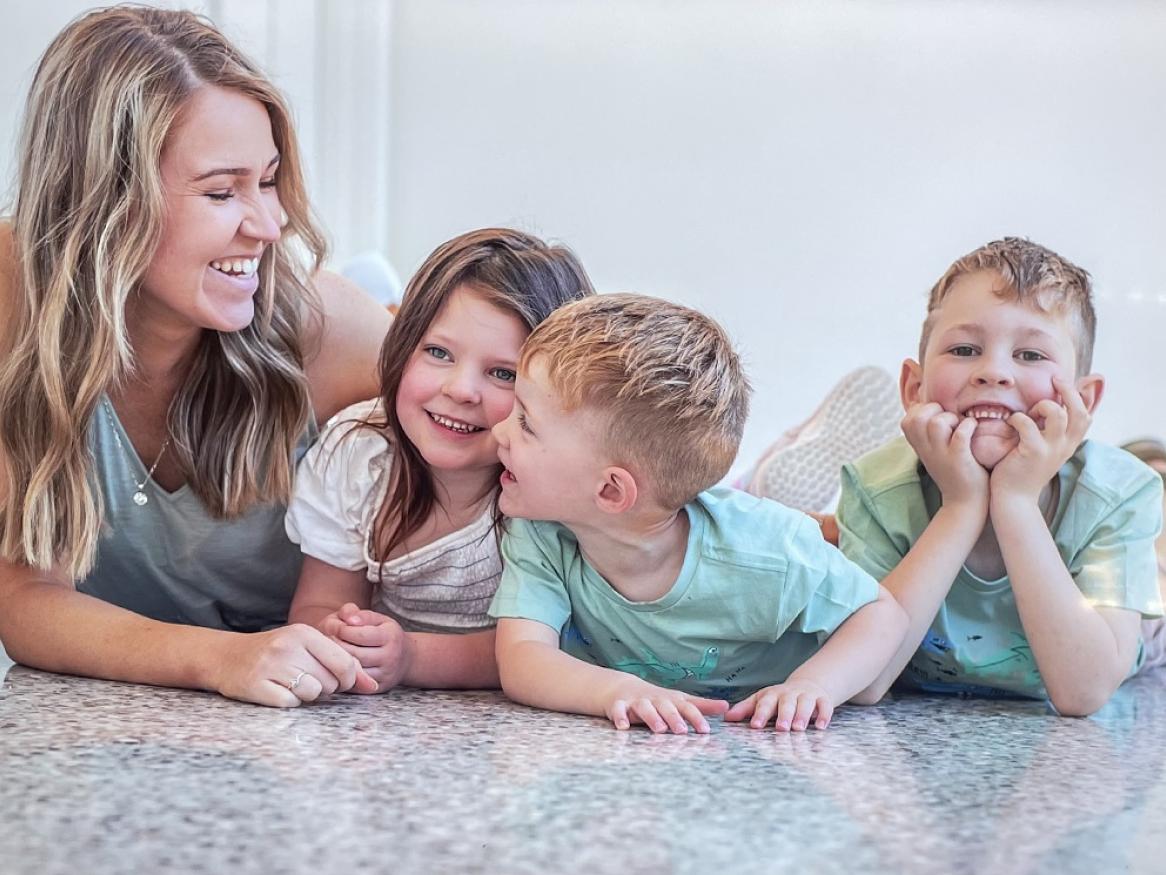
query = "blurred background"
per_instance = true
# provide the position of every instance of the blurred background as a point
(803, 171)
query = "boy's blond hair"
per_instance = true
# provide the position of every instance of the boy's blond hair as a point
(666, 379)
(1033, 275)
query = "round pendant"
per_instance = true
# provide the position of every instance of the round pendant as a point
(140, 498)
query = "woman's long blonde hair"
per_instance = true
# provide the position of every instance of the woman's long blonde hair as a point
(88, 217)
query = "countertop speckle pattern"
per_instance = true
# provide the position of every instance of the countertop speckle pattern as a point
(101, 777)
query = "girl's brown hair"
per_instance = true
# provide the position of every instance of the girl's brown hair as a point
(510, 269)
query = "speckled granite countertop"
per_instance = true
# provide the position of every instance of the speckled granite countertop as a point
(100, 777)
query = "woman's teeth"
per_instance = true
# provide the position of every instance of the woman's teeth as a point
(237, 267)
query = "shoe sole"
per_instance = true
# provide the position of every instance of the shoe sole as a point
(860, 413)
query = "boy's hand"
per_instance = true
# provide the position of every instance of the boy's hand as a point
(796, 703)
(378, 642)
(661, 710)
(944, 445)
(1049, 435)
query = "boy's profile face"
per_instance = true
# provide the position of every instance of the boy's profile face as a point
(551, 457)
(989, 357)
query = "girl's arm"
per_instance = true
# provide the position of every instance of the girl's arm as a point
(427, 660)
(323, 590)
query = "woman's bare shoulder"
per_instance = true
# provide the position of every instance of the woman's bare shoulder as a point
(345, 345)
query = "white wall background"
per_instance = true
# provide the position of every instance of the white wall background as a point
(802, 170)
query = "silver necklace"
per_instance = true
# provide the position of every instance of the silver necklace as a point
(140, 498)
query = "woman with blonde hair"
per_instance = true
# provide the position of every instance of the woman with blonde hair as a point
(167, 346)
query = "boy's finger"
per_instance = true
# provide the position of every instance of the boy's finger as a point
(804, 712)
(738, 712)
(786, 708)
(692, 714)
(962, 436)
(646, 712)
(1025, 428)
(766, 703)
(619, 714)
(709, 707)
(825, 712)
(671, 716)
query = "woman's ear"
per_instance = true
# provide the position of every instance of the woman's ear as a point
(1091, 387)
(618, 490)
(910, 383)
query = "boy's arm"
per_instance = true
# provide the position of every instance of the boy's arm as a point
(534, 671)
(838, 672)
(920, 583)
(1083, 652)
(921, 580)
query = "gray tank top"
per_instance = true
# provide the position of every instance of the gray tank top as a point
(170, 560)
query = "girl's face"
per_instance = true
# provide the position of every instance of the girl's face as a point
(222, 210)
(459, 383)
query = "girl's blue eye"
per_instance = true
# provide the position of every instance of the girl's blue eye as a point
(1031, 355)
(504, 374)
(267, 183)
(438, 353)
(220, 196)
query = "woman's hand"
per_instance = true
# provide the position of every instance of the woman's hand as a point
(285, 667)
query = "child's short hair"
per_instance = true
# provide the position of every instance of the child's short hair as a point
(1034, 275)
(665, 376)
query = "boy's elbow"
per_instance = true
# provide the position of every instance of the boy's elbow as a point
(1081, 702)
(872, 695)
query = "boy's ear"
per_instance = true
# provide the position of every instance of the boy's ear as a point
(1091, 387)
(617, 491)
(910, 382)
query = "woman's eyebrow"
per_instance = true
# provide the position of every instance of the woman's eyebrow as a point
(232, 171)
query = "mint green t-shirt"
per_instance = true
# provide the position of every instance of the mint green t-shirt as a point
(757, 595)
(1108, 513)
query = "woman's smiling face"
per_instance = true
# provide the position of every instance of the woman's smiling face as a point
(222, 210)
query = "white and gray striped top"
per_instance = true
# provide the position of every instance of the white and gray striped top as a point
(445, 586)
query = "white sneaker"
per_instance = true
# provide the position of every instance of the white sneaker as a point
(802, 469)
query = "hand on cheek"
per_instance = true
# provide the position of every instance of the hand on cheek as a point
(1049, 434)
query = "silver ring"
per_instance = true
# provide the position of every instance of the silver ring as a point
(295, 683)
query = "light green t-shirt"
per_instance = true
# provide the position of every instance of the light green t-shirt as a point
(1108, 513)
(758, 593)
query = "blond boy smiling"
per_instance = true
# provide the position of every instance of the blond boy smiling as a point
(631, 589)
(1049, 564)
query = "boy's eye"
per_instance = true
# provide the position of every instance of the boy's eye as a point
(438, 353)
(523, 424)
(964, 349)
(504, 374)
(1031, 355)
